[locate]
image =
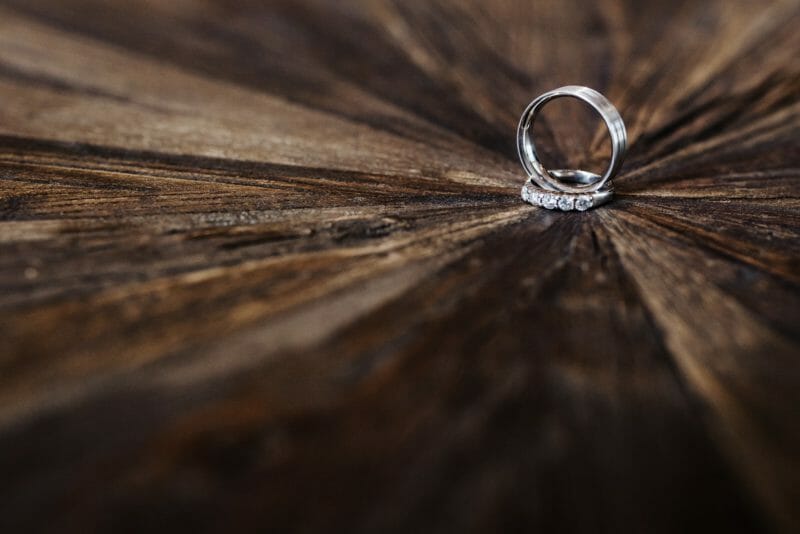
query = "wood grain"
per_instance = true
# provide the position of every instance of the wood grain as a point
(263, 267)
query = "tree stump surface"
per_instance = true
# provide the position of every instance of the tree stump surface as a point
(264, 267)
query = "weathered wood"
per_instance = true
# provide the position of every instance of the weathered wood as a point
(263, 266)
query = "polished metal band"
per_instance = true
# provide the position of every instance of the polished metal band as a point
(551, 180)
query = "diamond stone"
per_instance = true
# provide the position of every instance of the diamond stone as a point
(583, 203)
(566, 203)
(549, 201)
(526, 194)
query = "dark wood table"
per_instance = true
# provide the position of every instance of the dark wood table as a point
(264, 267)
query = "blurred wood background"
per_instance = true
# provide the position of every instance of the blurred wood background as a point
(264, 267)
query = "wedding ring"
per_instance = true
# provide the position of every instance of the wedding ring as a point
(568, 185)
(552, 200)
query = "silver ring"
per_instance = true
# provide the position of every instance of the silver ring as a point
(551, 180)
(549, 199)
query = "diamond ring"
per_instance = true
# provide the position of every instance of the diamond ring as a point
(552, 200)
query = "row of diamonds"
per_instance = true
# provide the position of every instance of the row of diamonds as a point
(552, 200)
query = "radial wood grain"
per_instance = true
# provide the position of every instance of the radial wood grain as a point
(264, 267)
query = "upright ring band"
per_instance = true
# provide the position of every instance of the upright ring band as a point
(530, 159)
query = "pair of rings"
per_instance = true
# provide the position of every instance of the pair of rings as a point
(569, 189)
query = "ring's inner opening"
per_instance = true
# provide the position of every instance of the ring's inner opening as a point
(570, 134)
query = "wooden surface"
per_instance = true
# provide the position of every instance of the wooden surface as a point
(263, 266)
